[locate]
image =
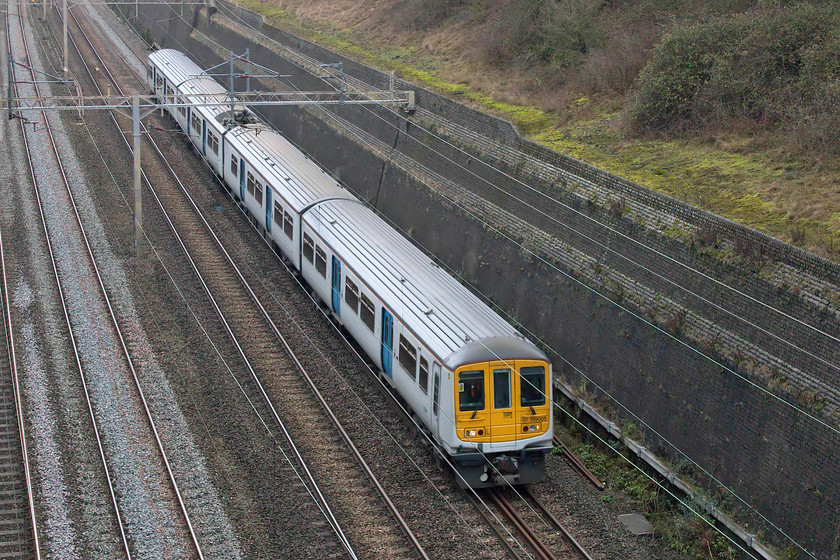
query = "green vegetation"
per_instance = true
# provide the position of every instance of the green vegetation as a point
(730, 105)
(776, 69)
(678, 527)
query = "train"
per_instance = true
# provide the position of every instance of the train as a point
(477, 387)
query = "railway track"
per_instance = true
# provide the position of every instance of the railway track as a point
(528, 517)
(53, 149)
(19, 526)
(242, 314)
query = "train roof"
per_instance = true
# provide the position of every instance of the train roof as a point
(188, 77)
(295, 177)
(456, 326)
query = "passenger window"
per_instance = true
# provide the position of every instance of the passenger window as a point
(424, 375)
(182, 108)
(408, 356)
(532, 385)
(288, 225)
(308, 248)
(501, 388)
(471, 390)
(233, 164)
(368, 312)
(196, 125)
(213, 142)
(250, 183)
(351, 295)
(321, 261)
(278, 214)
(258, 188)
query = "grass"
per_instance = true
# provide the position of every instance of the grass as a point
(738, 176)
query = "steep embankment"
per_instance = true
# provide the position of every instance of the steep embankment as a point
(731, 105)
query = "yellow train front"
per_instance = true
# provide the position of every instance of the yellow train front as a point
(501, 413)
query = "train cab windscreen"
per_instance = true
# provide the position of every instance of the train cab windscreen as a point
(532, 388)
(471, 389)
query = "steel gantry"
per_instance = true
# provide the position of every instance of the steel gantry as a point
(138, 106)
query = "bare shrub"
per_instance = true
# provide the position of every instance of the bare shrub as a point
(417, 15)
(614, 67)
(543, 30)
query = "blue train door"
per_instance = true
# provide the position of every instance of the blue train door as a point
(268, 209)
(203, 137)
(336, 285)
(188, 121)
(241, 179)
(387, 341)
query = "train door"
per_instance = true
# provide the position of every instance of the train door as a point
(336, 286)
(242, 179)
(502, 402)
(387, 342)
(203, 137)
(268, 207)
(189, 112)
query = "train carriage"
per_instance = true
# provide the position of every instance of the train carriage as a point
(480, 389)
(436, 343)
(175, 75)
(292, 183)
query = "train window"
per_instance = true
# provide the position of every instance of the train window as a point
(351, 295)
(233, 164)
(368, 312)
(250, 183)
(278, 214)
(471, 390)
(501, 388)
(436, 393)
(321, 261)
(424, 375)
(408, 356)
(182, 108)
(258, 189)
(213, 144)
(532, 385)
(169, 94)
(308, 248)
(196, 124)
(159, 82)
(149, 72)
(288, 225)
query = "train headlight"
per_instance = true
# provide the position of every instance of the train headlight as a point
(472, 433)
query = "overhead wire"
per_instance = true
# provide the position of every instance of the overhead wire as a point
(216, 349)
(358, 397)
(520, 246)
(600, 388)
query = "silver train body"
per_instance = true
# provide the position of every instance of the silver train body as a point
(475, 385)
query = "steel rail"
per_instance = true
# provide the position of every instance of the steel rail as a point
(493, 523)
(119, 334)
(321, 499)
(66, 313)
(559, 526)
(13, 366)
(542, 551)
(299, 366)
(575, 461)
